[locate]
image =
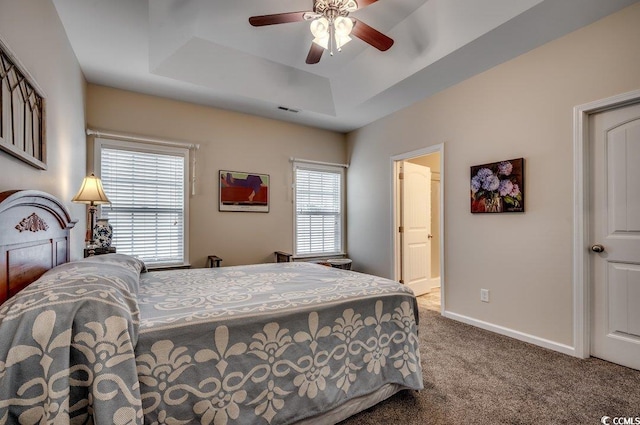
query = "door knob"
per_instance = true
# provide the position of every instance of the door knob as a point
(597, 248)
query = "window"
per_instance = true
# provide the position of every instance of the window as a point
(147, 187)
(319, 218)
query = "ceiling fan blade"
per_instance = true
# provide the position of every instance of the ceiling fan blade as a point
(315, 53)
(364, 3)
(278, 18)
(370, 35)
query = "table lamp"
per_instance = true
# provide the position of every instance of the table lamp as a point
(92, 193)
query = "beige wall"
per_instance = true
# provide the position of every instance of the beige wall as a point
(522, 108)
(228, 141)
(33, 31)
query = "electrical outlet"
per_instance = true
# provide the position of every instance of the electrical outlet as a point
(484, 295)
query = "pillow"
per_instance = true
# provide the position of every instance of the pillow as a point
(118, 270)
(127, 261)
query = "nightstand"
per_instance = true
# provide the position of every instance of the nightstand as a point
(88, 252)
(283, 257)
(213, 261)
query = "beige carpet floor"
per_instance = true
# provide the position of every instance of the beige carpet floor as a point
(472, 376)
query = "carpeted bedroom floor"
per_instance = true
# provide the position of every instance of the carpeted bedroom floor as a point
(472, 376)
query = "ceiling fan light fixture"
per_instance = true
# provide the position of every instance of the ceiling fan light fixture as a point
(341, 40)
(343, 26)
(344, 40)
(331, 26)
(320, 31)
(351, 6)
(323, 29)
(322, 42)
(320, 28)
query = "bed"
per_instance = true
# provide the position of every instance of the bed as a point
(100, 340)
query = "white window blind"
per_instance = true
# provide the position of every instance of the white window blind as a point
(318, 210)
(148, 195)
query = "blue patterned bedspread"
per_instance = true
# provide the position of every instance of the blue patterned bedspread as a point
(67, 346)
(270, 344)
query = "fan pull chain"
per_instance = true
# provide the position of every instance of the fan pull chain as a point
(332, 36)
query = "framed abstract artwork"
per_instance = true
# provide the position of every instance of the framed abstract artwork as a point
(240, 191)
(498, 187)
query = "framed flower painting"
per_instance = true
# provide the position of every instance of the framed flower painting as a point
(498, 187)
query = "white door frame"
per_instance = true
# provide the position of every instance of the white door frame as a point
(581, 236)
(395, 215)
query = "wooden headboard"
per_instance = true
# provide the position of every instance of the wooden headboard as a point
(34, 237)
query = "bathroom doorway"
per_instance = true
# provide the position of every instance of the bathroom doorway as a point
(418, 225)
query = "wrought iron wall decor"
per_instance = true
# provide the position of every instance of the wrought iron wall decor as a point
(22, 112)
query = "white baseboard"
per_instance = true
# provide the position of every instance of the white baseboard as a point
(434, 283)
(541, 342)
(419, 288)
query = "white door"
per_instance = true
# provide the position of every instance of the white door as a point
(615, 235)
(416, 226)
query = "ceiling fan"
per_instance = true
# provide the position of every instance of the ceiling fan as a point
(331, 26)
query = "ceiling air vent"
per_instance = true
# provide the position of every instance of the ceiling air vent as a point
(284, 108)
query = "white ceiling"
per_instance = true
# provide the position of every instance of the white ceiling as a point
(205, 51)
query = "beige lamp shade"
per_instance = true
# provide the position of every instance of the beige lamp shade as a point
(91, 192)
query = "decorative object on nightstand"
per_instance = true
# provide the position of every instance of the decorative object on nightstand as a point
(91, 193)
(103, 233)
(213, 261)
(340, 263)
(90, 252)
